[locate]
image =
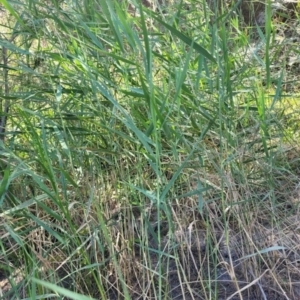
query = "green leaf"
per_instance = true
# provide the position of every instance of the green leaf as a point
(61, 291)
(12, 11)
(187, 40)
(47, 228)
(4, 185)
(266, 250)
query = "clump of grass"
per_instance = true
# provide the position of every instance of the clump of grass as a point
(146, 157)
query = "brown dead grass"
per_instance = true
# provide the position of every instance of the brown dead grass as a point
(242, 245)
(253, 256)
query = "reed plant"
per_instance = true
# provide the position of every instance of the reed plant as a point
(149, 153)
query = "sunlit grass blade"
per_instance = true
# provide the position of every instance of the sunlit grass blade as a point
(187, 40)
(61, 291)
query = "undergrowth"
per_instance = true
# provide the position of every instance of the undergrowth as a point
(149, 153)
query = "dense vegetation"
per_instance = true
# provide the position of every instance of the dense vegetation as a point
(148, 152)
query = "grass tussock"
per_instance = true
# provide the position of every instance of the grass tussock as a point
(148, 152)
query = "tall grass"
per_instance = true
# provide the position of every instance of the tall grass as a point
(144, 157)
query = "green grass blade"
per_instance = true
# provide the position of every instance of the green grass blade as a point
(187, 40)
(61, 291)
